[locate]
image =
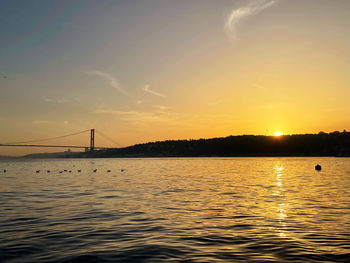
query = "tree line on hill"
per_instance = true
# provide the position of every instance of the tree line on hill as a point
(321, 144)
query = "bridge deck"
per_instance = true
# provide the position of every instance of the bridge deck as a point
(54, 146)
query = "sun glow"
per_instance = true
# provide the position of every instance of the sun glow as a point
(278, 134)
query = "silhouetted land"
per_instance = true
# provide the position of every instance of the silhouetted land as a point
(321, 144)
(40, 155)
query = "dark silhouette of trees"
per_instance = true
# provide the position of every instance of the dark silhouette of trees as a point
(321, 144)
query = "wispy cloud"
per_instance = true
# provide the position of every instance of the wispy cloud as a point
(42, 122)
(161, 107)
(138, 117)
(139, 102)
(59, 101)
(114, 112)
(112, 81)
(258, 86)
(214, 103)
(147, 89)
(164, 117)
(237, 15)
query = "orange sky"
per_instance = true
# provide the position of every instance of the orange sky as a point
(156, 70)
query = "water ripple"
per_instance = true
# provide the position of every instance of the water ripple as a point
(176, 210)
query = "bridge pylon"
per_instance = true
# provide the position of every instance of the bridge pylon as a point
(92, 140)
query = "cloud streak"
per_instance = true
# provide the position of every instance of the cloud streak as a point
(161, 107)
(138, 117)
(59, 101)
(160, 116)
(214, 103)
(147, 89)
(237, 15)
(42, 122)
(112, 81)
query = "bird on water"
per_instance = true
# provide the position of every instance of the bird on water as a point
(318, 167)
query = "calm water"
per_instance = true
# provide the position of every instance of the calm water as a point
(176, 210)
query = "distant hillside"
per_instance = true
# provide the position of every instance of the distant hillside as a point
(4, 157)
(322, 144)
(49, 155)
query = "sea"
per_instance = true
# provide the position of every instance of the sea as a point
(175, 210)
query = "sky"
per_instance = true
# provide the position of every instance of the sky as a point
(154, 70)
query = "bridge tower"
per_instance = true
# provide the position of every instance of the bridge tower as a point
(92, 140)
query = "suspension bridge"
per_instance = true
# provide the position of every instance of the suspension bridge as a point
(92, 147)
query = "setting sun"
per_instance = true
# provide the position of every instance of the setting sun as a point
(229, 120)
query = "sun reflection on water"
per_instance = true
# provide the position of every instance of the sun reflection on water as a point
(281, 206)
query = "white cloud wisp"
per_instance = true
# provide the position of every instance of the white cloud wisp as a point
(112, 81)
(237, 15)
(147, 89)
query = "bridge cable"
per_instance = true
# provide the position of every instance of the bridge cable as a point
(47, 139)
(108, 138)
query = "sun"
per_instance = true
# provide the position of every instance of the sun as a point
(278, 134)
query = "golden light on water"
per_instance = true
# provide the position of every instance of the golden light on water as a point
(282, 206)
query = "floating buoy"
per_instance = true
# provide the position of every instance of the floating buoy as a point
(108, 171)
(5, 171)
(60, 172)
(318, 167)
(94, 170)
(79, 171)
(69, 171)
(122, 170)
(48, 171)
(37, 171)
